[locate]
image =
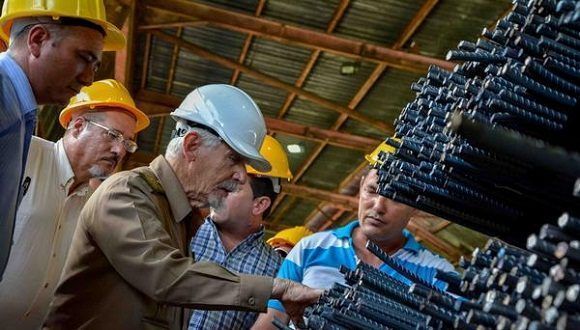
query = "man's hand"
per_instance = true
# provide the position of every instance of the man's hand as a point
(295, 297)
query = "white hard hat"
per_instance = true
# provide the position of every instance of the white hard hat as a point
(232, 114)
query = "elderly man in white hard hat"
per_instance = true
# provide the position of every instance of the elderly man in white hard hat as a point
(54, 50)
(130, 266)
(101, 123)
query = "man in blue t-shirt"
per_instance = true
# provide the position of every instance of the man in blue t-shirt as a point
(315, 260)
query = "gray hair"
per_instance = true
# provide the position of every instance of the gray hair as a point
(175, 146)
(21, 27)
(98, 117)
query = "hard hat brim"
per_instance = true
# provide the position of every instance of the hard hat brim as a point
(114, 38)
(141, 118)
(252, 156)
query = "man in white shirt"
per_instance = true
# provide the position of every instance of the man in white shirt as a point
(101, 123)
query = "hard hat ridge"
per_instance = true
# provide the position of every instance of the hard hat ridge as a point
(232, 114)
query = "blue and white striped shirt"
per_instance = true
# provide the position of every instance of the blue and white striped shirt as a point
(316, 259)
(252, 256)
(17, 122)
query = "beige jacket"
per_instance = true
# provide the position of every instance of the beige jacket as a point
(130, 266)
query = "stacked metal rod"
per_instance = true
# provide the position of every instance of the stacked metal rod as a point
(502, 287)
(520, 79)
(493, 146)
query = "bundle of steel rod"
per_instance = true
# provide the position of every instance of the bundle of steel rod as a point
(502, 287)
(520, 80)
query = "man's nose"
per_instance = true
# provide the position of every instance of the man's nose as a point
(380, 204)
(240, 175)
(118, 149)
(87, 77)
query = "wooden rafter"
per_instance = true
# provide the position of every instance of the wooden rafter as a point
(338, 14)
(157, 104)
(344, 201)
(272, 81)
(429, 237)
(405, 36)
(417, 230)
(247, 44)
(295, 35)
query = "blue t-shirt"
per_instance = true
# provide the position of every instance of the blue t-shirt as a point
(316, 259)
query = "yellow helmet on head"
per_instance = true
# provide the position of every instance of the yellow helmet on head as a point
(103, 93)
(289, 236)
(273, 151)
(92, 11)
(373, 157)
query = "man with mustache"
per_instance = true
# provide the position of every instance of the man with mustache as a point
(54, 49)
(316, 259)
(233, 234)
(130, 265)
(101, 123)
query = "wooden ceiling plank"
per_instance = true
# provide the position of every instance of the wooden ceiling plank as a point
(405, 36)
(429, 237)
(146, 58)
(298, 35)
(173, 65)
(272, 81)
(336, 17)
(345, 201)
(247, 44)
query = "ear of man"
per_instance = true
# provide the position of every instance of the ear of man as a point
(261, 204)
(192, 141)
(37, 35)
(76, 126)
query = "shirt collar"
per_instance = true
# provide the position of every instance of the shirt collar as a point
(21, 83)
(258, 235)
(65, 172)
(177, 198)
(410, 245)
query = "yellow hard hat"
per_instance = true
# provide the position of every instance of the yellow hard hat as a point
(105, 93)
(289, 236)
(274, 153)
(89, 10)
(373, 157)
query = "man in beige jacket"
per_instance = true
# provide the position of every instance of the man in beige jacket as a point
(129, 265)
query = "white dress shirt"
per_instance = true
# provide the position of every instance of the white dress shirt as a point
(45, 224)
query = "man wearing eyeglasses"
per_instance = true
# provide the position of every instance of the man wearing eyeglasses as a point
(100, 123)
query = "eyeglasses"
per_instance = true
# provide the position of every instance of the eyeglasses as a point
(130, 146)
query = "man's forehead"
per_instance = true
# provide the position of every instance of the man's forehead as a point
(371, 177)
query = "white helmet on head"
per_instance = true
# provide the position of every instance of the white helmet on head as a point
(232, 114)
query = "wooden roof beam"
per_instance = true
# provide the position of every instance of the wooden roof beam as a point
(272, 81)
(247, 44)
(340, 200)
(429, 237)
(297, 35)
(336, 17)
(405, 36)
(157, 104)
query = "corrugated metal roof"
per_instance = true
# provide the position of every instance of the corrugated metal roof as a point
(384, 101)
(455, 20)
(372, 21)
(332, 163)
(378, 22)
